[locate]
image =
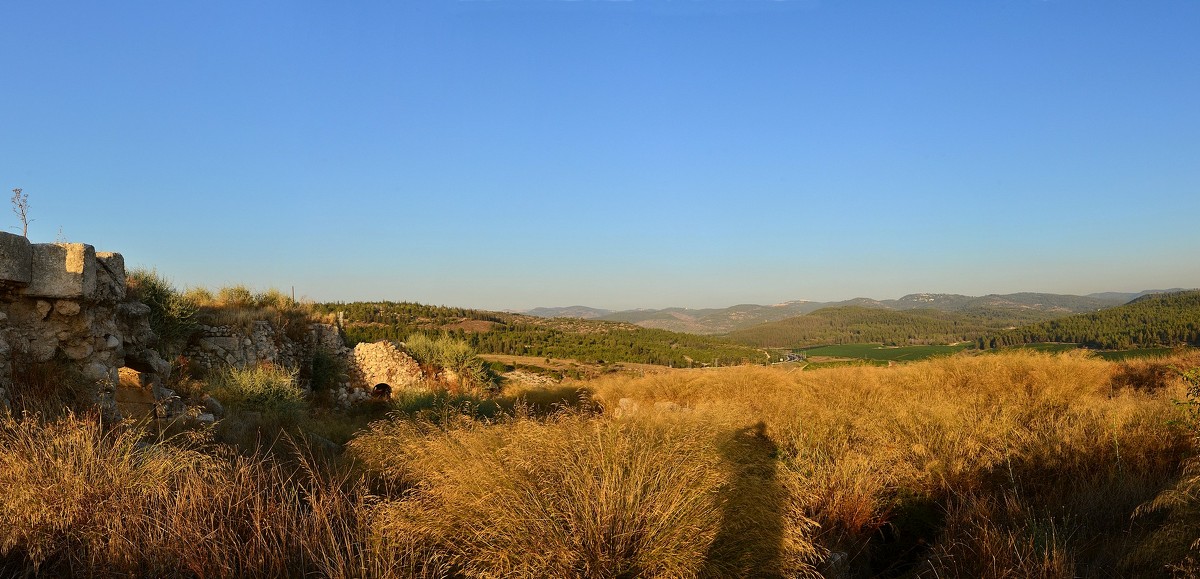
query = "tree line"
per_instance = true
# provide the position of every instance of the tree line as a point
(1152, 320)
(861, 325)
(513, 334)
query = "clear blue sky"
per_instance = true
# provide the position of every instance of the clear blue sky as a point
(646, 153)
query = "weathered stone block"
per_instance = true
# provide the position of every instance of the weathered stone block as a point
(62, 270)
(16, 259)
(66, 308)
(110, 276)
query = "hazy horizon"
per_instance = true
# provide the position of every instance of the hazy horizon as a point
(731, 304)
(514, 154)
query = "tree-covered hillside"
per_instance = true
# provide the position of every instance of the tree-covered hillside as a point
(857, 325)
(516, 334)
(1152, 320)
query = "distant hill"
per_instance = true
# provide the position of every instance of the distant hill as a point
(1054, 303)
(712, 321)
(1128, 297)
(859, 324)
(581, 312)
(997, 311)
(1152, 319)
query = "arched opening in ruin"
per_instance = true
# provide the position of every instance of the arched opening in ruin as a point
(382, 391)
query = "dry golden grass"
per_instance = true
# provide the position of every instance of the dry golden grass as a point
(82, 499)
(239, 306)
(891, 458)
(1013, 465)
(573, 496)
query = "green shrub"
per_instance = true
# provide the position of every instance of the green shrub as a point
(172, 314)
(273, 298)
(328, 370)
(447, 353)
(425, 350)
(264, 388)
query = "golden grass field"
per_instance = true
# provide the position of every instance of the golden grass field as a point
(1015, 465)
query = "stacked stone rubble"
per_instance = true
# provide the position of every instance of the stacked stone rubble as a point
(65, 303)
(380, 363)
(213, 348)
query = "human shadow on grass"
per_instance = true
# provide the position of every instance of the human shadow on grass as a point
(750, 540)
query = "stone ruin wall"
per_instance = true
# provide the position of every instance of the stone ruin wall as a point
(215, 347)
(66, 302)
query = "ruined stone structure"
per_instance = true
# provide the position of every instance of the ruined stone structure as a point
(217, 347)
(380, 363)
(66, 302)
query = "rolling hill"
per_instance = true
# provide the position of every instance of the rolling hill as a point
(859, 324)
(995, 310)
(581, 312)
(489, 332)
(1155, 319)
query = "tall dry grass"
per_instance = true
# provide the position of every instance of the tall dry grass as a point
(240, 306)
(897, 464)
(572, 496)
(87, 500)
(1012, 465)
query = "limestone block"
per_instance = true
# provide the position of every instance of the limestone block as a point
(220, 344)
(96, 372)
(78, 351)
(43, 309)
(62, 270)
(66, 307)
(16, 259)
(110, 276)
(42, 348)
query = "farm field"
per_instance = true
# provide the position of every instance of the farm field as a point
(878, 352)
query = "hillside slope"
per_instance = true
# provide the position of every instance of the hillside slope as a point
(524, 335)
(1151, 320)
(712, 320)
(857, 324)
(997, 311)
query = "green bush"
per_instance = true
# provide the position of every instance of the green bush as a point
(454, 355)
(425, 350)
(172, 314)
(264, 388)
(328, 371)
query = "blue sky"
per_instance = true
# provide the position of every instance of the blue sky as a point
(645, 153)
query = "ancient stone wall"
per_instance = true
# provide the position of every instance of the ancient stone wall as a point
(213, 348)
(65, 303)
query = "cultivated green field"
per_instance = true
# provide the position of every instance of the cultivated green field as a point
(877, 352)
